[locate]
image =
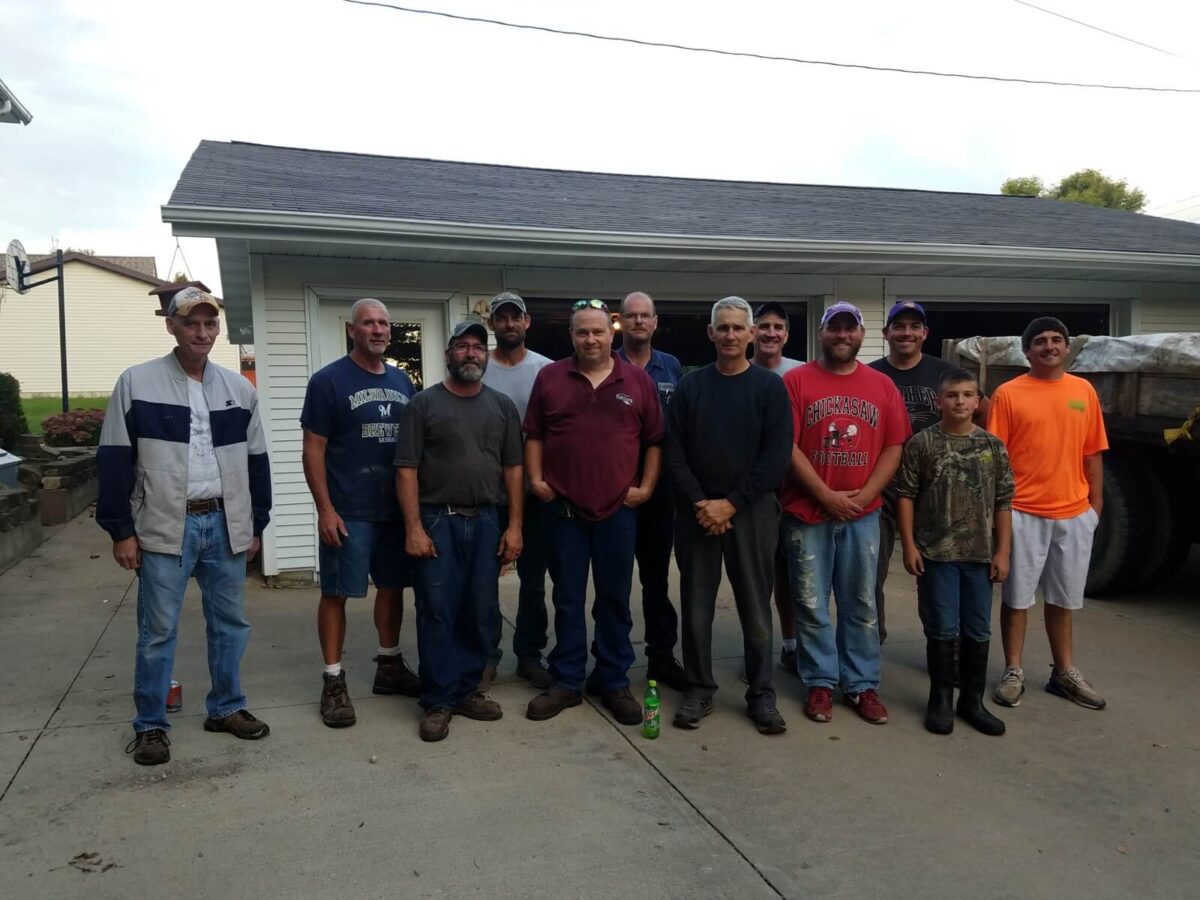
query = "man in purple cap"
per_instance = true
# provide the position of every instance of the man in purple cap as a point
(916, 375)
(850, 425)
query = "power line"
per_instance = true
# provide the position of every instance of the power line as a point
(769, 57)
(1173, 202)
(1120, 37)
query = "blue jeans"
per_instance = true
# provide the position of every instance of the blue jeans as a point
(368, 548)
(840, 557)
(162, 582)
(456, 592)
(606, 547)
(954, 598)
(529, 633)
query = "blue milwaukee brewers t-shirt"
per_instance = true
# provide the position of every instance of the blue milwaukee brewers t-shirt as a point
(358, 413)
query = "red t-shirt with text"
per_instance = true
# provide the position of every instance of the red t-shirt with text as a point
(842, 423)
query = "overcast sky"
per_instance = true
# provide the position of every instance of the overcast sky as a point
(122, 90)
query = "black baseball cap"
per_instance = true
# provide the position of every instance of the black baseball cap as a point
(772, 307)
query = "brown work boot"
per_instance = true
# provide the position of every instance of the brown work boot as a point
(625, 708)
(435, 724)
(549, 704)
(489, 675)
(336, 709)
(393, 676)
(478, 707)
(240, 724)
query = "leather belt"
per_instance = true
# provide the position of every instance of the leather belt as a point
(469, 511)
(212, 504)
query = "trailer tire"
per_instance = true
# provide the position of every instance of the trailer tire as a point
(1160, 524)
(1177, 542)
(1123, 537)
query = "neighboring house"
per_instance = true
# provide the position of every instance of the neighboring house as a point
(300, 234)
(11, 109)
(111, 324)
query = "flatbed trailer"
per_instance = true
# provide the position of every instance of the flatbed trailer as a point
(1151, 514)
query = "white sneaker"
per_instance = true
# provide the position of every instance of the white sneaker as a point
(1012, 685)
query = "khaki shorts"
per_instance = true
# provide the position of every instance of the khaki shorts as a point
(1052, 554)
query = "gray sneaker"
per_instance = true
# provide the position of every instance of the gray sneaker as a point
(1012, 685)
(1071, 685)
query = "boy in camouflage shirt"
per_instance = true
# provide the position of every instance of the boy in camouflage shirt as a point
(955, 490)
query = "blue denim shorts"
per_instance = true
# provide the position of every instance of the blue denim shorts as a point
(371, 548)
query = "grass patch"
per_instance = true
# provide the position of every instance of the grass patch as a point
(38, 408)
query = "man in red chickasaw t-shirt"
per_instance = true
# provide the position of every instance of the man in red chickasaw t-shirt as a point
(850, 424)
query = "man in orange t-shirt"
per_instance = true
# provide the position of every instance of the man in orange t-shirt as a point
(1052, 425)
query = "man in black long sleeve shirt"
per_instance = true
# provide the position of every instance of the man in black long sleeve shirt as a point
(729, 442)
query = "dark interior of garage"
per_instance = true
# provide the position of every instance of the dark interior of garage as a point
(682, 330)
(966, 319)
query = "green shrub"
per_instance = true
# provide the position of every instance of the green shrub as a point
(77, 428)
(12, 417)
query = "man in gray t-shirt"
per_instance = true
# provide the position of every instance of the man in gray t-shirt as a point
(511, 369)
(460, 442)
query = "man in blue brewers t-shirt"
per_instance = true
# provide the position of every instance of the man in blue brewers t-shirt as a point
(352, 410)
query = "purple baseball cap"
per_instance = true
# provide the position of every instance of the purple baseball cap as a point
(842, 307)
(905, 306)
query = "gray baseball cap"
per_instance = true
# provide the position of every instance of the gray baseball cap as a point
(468, 326)
(507, 298)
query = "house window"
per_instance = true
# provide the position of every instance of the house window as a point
(404, 352)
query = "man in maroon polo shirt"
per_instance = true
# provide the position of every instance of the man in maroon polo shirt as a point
(593, 427)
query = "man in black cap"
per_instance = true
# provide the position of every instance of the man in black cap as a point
(458, 454)
(916, 375)
(511, 369)
(769, 338)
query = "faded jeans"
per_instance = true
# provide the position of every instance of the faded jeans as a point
(162, 582)
(837, 557)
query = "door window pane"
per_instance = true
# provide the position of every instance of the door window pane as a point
(404, 352)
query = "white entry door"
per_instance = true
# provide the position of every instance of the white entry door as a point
(418, 338)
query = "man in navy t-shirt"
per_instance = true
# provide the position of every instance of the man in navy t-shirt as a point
(655, 517)
(352, 411)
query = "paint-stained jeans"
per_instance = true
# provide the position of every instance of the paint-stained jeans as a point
(162, 583)
(840, 557)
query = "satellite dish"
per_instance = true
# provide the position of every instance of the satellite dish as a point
(16, 266)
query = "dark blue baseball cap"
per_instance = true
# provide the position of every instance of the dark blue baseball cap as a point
(905, 306)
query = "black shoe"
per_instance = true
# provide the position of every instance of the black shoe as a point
(150, 748)
(766, 717)
(972, 672)
(393, 676)
(336, 709)
(787, 661)
(939, 713)
(240, 724)
(533, 670)
(692, 710)
(667, 670)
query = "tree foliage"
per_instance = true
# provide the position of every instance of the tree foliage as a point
(12, 416)
(180, 278)
(1085, 186)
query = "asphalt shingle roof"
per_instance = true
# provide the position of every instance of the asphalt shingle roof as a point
(289, 180)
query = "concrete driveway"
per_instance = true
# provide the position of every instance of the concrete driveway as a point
(1070, 803)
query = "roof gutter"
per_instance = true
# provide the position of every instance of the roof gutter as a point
(197, 221)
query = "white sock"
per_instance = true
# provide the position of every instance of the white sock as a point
(789, 643)
(389, 651)
(335, 669)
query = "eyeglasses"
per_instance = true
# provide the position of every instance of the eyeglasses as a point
(468, 348)
(589, 304)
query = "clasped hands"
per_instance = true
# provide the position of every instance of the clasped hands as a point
(714, 516)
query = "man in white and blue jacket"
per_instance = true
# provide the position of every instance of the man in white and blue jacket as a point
(185, 489)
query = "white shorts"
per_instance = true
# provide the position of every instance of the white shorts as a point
(1052, 554)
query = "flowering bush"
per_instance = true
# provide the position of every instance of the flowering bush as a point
(77, 428)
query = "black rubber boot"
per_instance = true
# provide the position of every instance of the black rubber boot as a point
(973, 657)
(939, 716)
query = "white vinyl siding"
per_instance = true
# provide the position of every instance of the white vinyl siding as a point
(1168, 308)
(111, 325)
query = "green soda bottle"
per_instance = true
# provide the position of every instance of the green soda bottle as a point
(650, 713)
